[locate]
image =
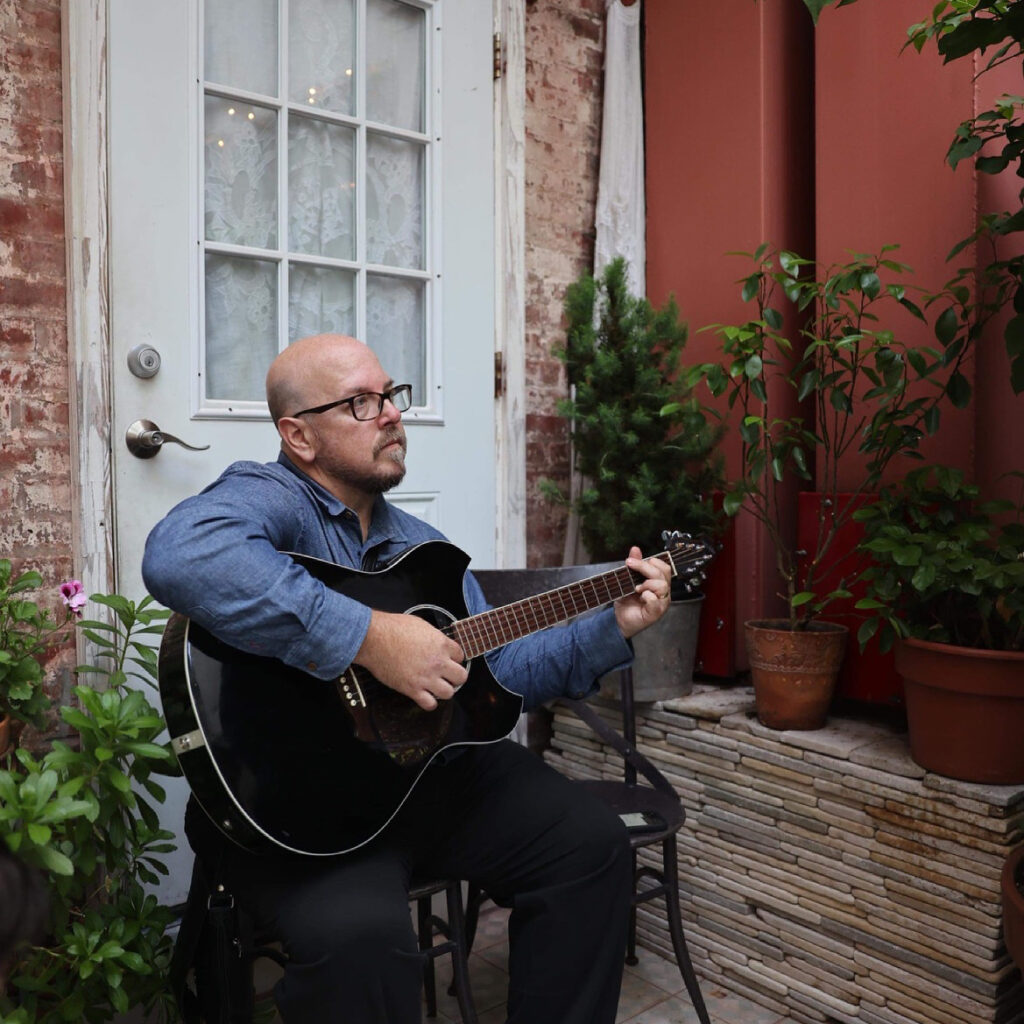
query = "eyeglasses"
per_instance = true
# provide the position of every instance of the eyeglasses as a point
(368, 405)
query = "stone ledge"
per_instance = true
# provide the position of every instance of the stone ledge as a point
(825, 870)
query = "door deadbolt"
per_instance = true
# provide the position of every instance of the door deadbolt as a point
(144, 361)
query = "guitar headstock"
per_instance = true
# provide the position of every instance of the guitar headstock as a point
(689, 556)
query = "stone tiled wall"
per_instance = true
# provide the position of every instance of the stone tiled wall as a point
(825, 874)
(564, 68)
(35, 488)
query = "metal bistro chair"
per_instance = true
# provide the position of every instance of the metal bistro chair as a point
(658, 801)
(212, 969)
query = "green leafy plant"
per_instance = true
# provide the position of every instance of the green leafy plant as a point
(991, 33)
(27, 633)
(946, 566)
(643, 472)
(858, 387)
(83, 813)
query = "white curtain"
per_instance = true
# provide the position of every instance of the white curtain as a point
(621, 212)
(620, 218)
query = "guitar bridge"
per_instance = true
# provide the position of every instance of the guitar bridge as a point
(351, 691)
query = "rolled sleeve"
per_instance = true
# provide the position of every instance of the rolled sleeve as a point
(565, 661)
(221, 559)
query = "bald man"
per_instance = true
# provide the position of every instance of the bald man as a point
(494, 814)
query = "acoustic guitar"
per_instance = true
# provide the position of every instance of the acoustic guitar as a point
(285, 762)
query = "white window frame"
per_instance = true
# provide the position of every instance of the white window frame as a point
(432, 411)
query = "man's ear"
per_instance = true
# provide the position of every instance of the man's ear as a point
(298, 437)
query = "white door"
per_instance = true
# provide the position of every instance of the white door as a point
(283, 167)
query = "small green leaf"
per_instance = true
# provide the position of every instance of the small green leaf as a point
(946, 326)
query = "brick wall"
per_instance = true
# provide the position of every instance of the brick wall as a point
(564, 68)
(35, 483)
(35, 494)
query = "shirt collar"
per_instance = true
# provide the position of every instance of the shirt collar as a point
(384, 524)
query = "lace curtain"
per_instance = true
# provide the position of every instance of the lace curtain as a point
(322, 190)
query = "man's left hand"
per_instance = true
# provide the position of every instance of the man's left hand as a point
(651, 598)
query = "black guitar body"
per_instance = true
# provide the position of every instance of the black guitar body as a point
(285, 762)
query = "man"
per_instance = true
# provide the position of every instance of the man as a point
(494, 814)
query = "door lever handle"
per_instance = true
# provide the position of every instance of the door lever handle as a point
(145, 439)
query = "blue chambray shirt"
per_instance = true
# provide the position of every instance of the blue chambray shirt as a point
(218, 558)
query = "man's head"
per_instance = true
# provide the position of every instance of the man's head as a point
(355, 459)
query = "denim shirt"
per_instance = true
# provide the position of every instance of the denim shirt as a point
(219, 559)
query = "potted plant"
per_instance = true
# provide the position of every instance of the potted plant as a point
(642, 473)
(946, 585)
(851, 393)
(82, 814)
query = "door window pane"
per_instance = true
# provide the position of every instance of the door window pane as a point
(396, 330)
(322, 54)
(395, 64)
(241, 326)
(321, 188)
(394, 202)
(316, 195)
(320, 301)
(240, 44)
(241, 173)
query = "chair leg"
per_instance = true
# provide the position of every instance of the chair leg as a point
(458, 933)
(425, 929)
(675, 927)
(475, 897)
(631, 957)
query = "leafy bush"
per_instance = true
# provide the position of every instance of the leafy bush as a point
(26, 634)
(858, 388)
(946, 566)
(83, 813)
(643, 473)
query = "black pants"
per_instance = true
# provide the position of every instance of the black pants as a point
(495, 815)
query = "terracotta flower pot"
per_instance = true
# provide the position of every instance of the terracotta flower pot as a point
(5, 734)
(965, 710)
(794, 671)
(1013, 905)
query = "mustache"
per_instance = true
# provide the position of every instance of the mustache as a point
(391, 435)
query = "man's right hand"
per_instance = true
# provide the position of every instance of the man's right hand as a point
(412, 657)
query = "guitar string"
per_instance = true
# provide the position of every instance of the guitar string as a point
(492, 629)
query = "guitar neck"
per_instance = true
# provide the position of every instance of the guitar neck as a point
(500, 626)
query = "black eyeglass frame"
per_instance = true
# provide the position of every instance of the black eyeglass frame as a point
(390, 395)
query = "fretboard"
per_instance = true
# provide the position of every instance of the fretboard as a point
(493, 629)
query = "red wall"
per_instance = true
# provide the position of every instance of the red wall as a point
(828, 141)
(729, 166)
(883, 123)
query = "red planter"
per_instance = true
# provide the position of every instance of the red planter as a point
(965, 710)
(794, 671)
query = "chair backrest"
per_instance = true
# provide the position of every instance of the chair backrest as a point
(503, 586)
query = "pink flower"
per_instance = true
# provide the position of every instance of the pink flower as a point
(73, 595)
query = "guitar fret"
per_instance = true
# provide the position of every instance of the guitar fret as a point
(497, 627)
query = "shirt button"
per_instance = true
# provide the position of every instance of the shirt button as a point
(311, 665)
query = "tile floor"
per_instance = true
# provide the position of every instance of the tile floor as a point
(652, 991)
